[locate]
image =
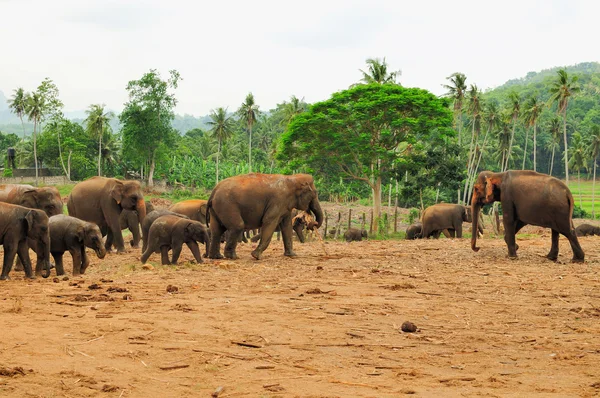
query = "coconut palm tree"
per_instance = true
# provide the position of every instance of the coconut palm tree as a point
(554, 129)
(456, 90)
(593, 146)
(35, 112)
(515, 110)
(290, 109)
(562, 90)
(578, 158)
(474, 108)
(532, 110)
(221, 129)
(18, 105)
(378, 72)
(97, 123)
(249, 113)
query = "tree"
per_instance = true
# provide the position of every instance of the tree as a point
(147, 116)
(222, 130)
(554, 129)
(365, 133)
(593, 146)
(562, 90)
(533, 110)
(474, 107)
(290, 109)
(35, 112)
(578, 158)
(18, 105)
(515, 109)
(456, 90)
(249, 112)
(97, 124)
(378, 72)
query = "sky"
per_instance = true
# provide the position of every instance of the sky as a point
(275, 49)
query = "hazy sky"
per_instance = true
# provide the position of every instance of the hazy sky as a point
(224, 49)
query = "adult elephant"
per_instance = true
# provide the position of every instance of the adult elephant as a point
(130, 219)
(444, 216)
(262, 201)
(527, 197)
(46, 199)
(101, 200)
(17, 225)
(195, 209)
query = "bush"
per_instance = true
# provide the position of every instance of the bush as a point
(413, 215)
(7, 172)
(578, 212)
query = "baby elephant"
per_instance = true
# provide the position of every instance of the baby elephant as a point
(355, 234)
(171, 232)
(130, 219)
(72, 234)
(414, 231)
(587, 230)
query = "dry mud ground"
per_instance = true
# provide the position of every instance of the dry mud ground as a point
(313, 326)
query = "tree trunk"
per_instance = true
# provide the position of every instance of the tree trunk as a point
(469, 163)
(566, 148)
(552, 159)
(512, 137)
(35, 159)
(218, 153)
(100, 154)
(376, 203)
(594, 191)
(62, 162)
(525, 150)
(69, 165)
(579, 184)
(250, 149)
(390, 195)
(535, 146)
(151, 172)
(23, 125)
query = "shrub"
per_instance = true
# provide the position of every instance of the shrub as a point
(578, 212)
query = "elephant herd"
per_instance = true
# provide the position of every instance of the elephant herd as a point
(32, 218)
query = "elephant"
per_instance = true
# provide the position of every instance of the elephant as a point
(299, 222)
(527, 197)
(414, 231)
(17, 225)
(195, 209)
(355, 234)
(130, 219)
(101, 200)
(171, 232)
(72, 234)
(46, 199)
(444, 216)
(150, 218)
(263, 201)
(587, 230)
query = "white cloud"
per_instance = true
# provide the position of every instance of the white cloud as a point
(275, 49)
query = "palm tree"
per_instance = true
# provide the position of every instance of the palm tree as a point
(249, 113)
(97, 123)
(578, 158)
(593, 153)
(456, 90)
(503, 138)
(290, 109)
(474, 108)
(378, 72)
(562, 90)
(515, 109)
(554, 129)
(222, 130)
(18, 105)
(533, 110)
(35, 112)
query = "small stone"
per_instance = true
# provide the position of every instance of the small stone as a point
(319, 268)
(408, 327)
(65, 278)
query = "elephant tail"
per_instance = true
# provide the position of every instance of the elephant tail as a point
(208, 207)
(571, 207)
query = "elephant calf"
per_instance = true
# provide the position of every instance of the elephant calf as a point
(355, 234)
(414, 231)
(171, 232)
(587, 230)
(130, 219)
(149, 220)
(74, 235)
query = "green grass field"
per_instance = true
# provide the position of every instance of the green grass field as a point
(585, 188)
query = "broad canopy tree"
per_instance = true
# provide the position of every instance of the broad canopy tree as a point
(365, 132)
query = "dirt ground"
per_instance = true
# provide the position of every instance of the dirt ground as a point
(318, 325)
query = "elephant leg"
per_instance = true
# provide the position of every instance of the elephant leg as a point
(23, 252)
(578, 255)
(109, 240)
(510, 227)
(231, 244)
(448, 233)
(58, 259)
(458, 230)
(553, 254)
(176, 252)
(195, 249)
(278, 234)
(85, 260)
(285, 226)
(151, 248)
(135, 231)
(117, 235)
(216, 230)
(18, 265)
(76, 255)
(265, 238)
(9, 259)
(164, 255)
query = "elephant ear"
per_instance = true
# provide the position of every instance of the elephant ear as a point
(30, 198)
(29, 220)
(80, 233)
(491, 187)
(117, 192)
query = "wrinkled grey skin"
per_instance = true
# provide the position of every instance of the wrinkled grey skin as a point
(46, 199)
(355, 234)
(414, 231)
(130, 219)
(587, 230)
(171, 232)
(443, 216)
(150, 218)
(17, 225)
(74, 235)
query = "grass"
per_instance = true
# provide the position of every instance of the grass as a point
(586, 194)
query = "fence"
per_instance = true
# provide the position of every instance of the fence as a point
(53, 180)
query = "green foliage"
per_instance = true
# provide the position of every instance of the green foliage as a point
(7, 172)
(578, 212)
(413, 215)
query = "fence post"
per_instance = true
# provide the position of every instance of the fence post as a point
(364, 221)
(337, 226)
(371, 222)
(325, 233)
(396, 217)
(349, 218)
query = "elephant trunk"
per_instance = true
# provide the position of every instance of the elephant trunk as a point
(100, 251)
(475, 208)
(141, 209)
(315, 208)
(43, 254)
